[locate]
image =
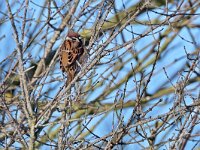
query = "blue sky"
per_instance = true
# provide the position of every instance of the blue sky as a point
(175, 51)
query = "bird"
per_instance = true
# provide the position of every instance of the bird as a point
(72, 55)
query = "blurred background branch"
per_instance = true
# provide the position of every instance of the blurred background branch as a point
(138, 90)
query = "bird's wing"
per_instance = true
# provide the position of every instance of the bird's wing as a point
(67, 54)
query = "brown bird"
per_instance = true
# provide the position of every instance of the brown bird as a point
(71, 55)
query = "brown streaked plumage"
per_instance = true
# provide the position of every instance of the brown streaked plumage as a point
(71, 51)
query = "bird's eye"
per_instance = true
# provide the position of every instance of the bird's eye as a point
(73, 38)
